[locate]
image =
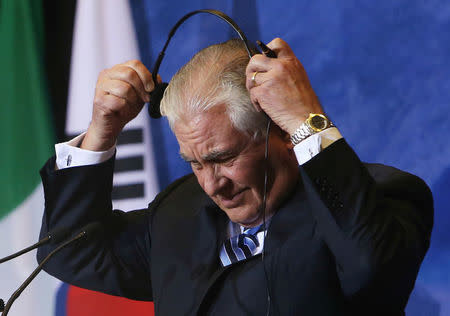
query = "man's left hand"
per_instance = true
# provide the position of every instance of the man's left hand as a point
(281, 87)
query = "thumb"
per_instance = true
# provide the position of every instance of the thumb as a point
(281, 48)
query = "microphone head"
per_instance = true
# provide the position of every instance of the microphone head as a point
(59, 234)
(92, 229)
(155, 99)
(2, 305)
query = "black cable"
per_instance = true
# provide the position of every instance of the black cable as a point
(263, 207)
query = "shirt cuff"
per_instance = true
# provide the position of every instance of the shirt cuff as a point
(68, 154)
(311, 146)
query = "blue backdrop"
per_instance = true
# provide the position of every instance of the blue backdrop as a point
(382, 72)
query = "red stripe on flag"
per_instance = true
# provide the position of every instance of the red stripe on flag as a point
(90, 303)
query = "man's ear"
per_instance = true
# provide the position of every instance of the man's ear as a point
(284, 136)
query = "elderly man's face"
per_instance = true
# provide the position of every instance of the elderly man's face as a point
(229, 165)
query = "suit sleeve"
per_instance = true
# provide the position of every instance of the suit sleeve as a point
(115, 262)
(376, 221)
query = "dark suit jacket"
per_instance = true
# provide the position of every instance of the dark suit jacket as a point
(349, 240)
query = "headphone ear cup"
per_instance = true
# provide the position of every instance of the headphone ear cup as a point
(155, 100)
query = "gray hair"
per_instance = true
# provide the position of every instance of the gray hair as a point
(214, 76)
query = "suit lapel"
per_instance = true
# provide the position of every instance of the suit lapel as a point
(293, 215)
(219, 228)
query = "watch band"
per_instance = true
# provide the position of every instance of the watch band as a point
(305, 130)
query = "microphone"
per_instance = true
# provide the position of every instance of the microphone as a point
(56, 236)
(2, 305)
(86, 232)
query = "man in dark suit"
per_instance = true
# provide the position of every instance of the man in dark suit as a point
(328, 235)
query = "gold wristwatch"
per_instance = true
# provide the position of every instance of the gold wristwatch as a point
(314, 123)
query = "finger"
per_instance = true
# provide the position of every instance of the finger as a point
(130, 76)
(256, 79)
(281, 48)
(256, 105)
(109, 103)
(250, 81)
(255, 101)
(143, 72)
(121, 89)
(259, 63)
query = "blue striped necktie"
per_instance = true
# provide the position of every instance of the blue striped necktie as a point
(240, 247)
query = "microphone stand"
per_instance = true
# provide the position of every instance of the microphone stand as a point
(89, 228)
(54, 237)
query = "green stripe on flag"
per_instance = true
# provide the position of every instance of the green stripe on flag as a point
(25, 131)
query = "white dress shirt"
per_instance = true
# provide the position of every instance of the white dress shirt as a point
(68, 154)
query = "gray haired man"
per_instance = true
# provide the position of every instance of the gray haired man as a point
(330, 235)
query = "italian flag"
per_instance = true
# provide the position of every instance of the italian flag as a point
(103, 36)
(26, 143)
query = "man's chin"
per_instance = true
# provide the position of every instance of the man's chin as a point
(243, 217)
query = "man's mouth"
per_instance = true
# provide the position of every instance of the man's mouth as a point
(233, 200)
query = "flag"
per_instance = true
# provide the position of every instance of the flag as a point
(26, 143)
(104, 36)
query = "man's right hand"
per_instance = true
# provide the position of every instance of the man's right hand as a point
(120, 94)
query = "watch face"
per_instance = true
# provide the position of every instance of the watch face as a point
(318, 122)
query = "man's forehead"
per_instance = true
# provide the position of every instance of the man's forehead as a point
(209, 137)
(200, 126)
(193, 117)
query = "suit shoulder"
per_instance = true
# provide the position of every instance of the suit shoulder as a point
(393, 181)
(387, 175)
(183, 189)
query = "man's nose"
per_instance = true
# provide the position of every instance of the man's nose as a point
(214, 182)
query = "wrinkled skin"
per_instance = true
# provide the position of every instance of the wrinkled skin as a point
(229, 165)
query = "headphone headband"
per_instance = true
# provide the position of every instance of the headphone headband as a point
(157, 94)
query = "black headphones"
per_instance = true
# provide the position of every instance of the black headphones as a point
(157, 94)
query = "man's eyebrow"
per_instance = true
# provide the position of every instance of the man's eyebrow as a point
(218, 155)
(186, 158)
(214, 155)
